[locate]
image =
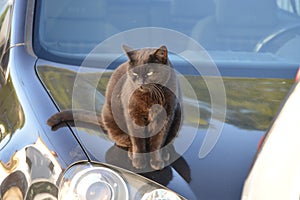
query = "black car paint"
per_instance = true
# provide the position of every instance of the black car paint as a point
(32, 149)
(24, 121)
(223, 170)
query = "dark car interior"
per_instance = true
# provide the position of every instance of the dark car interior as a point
(212, 23)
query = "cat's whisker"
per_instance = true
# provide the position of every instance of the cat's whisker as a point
(157, 93)
(160, 93)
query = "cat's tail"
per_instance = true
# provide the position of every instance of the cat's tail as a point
(72, 116)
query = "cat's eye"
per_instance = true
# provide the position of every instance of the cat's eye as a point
(134, 74)
(149, 73)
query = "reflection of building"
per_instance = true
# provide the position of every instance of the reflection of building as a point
(33, 171)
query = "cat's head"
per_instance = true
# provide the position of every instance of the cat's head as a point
(148, 65)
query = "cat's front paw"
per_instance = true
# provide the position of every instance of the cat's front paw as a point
(157, 164)
(166, 155)
(157, 160)
(138, 161)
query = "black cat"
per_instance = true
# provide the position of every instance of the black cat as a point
(142, 108)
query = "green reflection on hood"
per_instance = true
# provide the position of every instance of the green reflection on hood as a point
(251, 103)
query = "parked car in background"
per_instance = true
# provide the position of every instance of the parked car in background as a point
(276, 166)
(236, 60)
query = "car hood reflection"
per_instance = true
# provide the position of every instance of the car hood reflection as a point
(251, 105)
(38, 163)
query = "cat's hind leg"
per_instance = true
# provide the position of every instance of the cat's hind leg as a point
(121, 138)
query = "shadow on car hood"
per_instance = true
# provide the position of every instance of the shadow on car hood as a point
(251, 106)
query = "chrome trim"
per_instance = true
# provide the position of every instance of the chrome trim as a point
(17, 45)
(29, 27)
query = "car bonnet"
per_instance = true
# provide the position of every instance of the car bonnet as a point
(218, 174)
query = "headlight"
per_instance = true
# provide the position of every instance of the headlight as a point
(86, 181)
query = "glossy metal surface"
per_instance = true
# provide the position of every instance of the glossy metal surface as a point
(29, 155)
(225, 168)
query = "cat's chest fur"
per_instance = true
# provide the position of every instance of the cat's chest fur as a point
(139, 105)
(141, 99)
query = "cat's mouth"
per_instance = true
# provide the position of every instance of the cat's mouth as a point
(143, 88)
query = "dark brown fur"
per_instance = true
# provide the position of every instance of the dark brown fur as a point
(141, 111)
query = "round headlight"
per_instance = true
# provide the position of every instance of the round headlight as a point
(93, 184)
(95, 181)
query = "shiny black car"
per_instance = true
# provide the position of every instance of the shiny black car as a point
(236, 61)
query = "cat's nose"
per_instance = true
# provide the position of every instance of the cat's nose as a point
(141, 82)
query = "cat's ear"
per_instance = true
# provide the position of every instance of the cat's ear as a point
(161, 54)
(129, 52)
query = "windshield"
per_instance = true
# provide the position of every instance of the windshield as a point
(68, 30)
